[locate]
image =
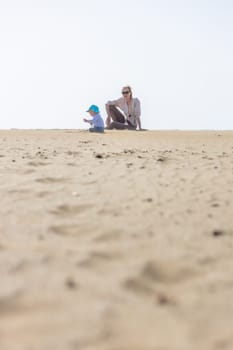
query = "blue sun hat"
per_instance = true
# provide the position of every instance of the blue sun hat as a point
(93, 108)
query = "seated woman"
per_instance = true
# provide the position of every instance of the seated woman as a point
(125, 112)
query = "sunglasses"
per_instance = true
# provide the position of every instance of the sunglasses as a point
(125, 92)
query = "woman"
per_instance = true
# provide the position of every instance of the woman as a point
(125, 112)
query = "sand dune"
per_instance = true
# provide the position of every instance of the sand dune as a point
(120, 241)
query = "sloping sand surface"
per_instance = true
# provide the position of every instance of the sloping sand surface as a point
(120, 241)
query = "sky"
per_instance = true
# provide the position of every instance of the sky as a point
(60, 56)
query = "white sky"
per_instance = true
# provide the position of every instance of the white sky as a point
(59, 56)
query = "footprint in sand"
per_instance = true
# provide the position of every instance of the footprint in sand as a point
(155, 274)
(50, 180)
(113, 235)
(35, 164)
(28, 171)
(97, 258)
(70, 210)
(20, 191)
(43, 194)
(66, 230)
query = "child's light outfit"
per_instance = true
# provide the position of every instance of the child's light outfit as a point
(97, 122)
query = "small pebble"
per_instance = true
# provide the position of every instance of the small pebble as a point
(215, 205)
(161, 159)
(217, 233)
(98, 155)
(163, 299)
(70, 283)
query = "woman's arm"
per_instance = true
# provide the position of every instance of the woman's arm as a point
(138, 113)
(139, 123)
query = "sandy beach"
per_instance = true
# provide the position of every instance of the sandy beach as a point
(119, 241)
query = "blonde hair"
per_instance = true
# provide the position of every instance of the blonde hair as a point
(130, 90)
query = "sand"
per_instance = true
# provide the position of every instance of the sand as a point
(121, 241)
